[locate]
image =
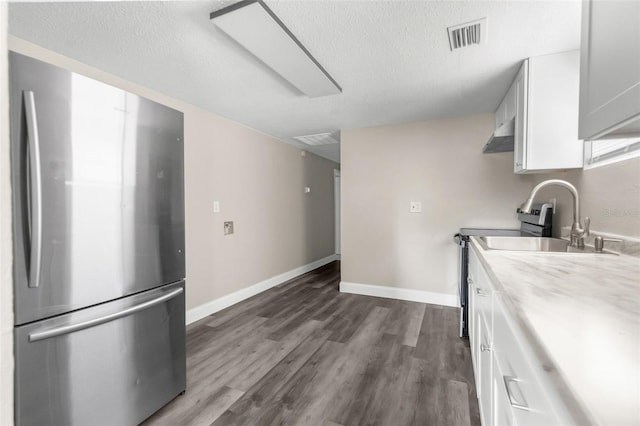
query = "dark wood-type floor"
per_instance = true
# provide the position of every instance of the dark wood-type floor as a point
(303, 353)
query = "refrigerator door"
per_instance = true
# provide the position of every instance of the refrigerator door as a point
(112, 364)
(97, 177)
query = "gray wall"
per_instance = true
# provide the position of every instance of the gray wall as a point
(609, 195)
(259, 182)
(439, 163)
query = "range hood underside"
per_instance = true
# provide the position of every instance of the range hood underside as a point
(499, 144)
(501, 140)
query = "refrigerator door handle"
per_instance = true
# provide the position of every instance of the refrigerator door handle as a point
(66, 329)
(35, 178)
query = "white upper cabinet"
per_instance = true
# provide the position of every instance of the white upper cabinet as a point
(610, 69)
(546, 114)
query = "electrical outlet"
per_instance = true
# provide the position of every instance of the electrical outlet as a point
(216, 206)
(228, 228)
(415, 207)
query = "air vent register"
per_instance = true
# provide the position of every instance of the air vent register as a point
(468, 34)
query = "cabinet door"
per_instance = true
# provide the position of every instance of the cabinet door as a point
(485, 363)
(520, 136)
(610, 68)
(472, 272)
(552, 112)
(473, 324)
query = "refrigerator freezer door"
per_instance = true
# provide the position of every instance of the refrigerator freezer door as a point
(97, 177)
(115, 363)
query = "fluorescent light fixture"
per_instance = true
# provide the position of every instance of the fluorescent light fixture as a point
(255, 27)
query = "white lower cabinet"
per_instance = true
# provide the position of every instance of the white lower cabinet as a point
(473, 330)
(481, 314)
(471, 297)
(485, 373)
(510, 381)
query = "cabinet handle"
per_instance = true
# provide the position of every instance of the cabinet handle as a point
(508, 381)
(485, 348)
(480, 292)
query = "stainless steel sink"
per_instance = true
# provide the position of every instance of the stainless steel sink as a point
(524, 243)
(535, 244)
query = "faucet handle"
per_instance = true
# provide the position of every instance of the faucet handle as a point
(587, 225)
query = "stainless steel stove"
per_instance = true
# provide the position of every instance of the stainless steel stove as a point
(535, 224)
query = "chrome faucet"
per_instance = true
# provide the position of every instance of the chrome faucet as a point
(578, 232)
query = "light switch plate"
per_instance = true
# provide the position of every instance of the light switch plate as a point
(216, 206)
(415, 207)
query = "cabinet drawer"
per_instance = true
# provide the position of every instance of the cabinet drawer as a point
(502, 411)
(518, 376)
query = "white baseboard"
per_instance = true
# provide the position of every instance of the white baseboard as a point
(199, 312)
(399, 293)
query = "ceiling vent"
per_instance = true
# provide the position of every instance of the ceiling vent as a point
(463, 35)
(320, 139)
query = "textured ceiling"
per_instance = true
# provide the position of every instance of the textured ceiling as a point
(391, 58)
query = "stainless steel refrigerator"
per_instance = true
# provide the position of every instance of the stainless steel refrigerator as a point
(99, 261)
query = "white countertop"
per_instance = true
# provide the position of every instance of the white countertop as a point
(581, 313)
